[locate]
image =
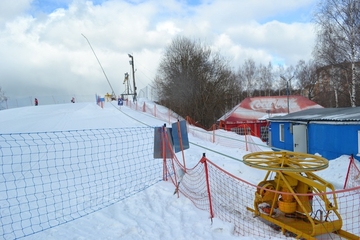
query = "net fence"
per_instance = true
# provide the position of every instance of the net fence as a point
(50, 178)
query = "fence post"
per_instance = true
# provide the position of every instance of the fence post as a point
(181, 143)
(214, 128)
(348, 171)
(187, 123)
(169, 115)
(246, 142)
(203, 160)
(163, 143)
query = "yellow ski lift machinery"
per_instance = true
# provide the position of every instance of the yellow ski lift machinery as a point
(284, 198)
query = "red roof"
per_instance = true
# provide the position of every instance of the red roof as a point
(256, 108)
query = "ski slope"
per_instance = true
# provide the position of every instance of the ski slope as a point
(154, 213)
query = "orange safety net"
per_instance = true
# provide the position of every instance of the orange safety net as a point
(230, 199)
(196, 124)
(353, 175)
(214, 135)
(155, 110)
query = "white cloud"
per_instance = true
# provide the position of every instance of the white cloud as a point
(240, 53)
(290, 41)
(10, 10)
(46, 54)
(167, 27)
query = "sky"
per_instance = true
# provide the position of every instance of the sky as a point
(45, 52)
(155, 213)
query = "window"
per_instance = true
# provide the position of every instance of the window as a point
(281, 132)
(241, 130)
(358, 141)
(264, 131)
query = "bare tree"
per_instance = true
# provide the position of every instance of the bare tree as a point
(307, 77)
(3, 97)
(248, 74)
(266, 78)
(193, 81)
(338, 37)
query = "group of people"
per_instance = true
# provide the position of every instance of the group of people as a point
(36, 102)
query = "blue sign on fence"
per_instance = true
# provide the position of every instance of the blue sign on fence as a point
(180, 136)
(163, 144)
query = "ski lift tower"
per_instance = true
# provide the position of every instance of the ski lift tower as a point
(128, 90)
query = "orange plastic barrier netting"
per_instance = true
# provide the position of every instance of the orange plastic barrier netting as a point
(155, 110)
(228, 139)
(349, 208)
(196, 124)
(214, 135)
(353, 175)
(231, 199)
(252, 146)
(228, 198)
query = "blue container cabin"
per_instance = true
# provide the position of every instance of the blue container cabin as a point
(330, 132)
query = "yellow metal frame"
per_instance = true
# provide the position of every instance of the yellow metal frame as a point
(293, 176)
(285, 161)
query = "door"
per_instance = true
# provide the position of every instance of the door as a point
(300, 138)
(358, 142)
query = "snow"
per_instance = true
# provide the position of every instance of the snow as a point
(155, 213)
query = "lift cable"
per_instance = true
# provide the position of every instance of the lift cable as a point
(113, 93)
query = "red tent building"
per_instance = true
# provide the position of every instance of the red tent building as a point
(250, 116)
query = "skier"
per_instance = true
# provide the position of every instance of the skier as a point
(36, 102)
(73, 100)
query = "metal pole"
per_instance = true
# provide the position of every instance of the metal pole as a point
(133, 72)
(287, 90)
(287, 93)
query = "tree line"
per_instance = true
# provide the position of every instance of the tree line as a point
(195, 81)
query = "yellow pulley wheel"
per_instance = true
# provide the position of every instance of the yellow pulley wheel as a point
(285, 161)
